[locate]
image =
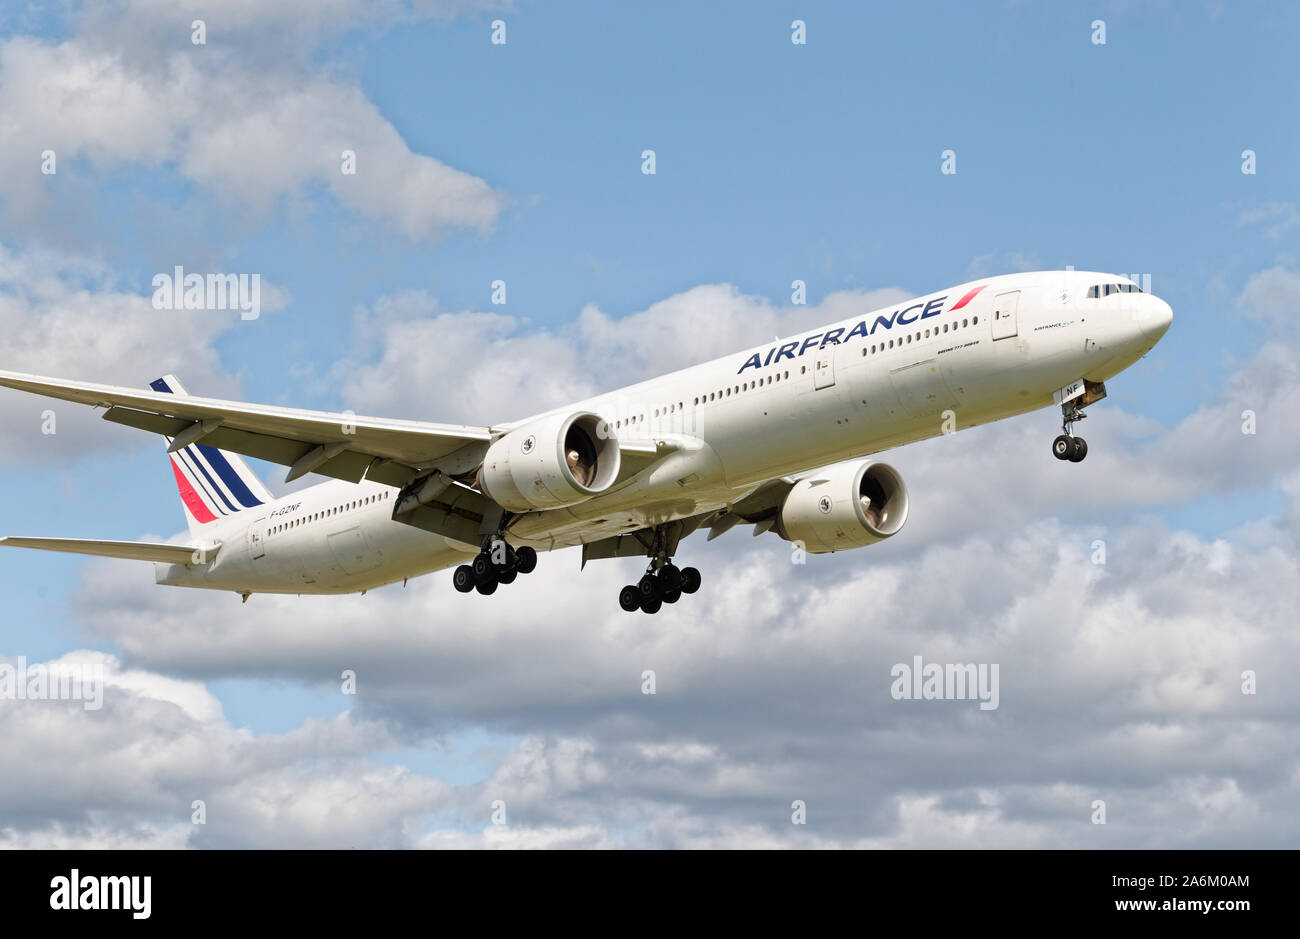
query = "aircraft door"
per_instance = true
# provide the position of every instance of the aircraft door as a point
(257, 539)
(1005, 306)
(824, 367)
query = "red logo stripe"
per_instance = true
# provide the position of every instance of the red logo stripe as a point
(967, 299)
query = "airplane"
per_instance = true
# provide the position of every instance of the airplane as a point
(778, 436)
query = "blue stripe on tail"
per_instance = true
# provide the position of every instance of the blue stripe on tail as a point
(220, 465)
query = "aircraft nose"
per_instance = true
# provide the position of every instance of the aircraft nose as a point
(1157, 318)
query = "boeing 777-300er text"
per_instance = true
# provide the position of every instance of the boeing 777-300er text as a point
(779, 436)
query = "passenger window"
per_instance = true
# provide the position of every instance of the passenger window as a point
(974, 320)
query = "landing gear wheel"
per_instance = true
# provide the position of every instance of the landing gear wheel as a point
(629, 598)
(670, 578)
(525, 560)
(690, 580)
(487, 588)
(1063, 447)
(507, 576)
(483, 570)
(672, 596)
(652, 605)
(463, 579)
(648, 587)
(1079, 451)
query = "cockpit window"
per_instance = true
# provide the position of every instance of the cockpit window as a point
(1105, 290)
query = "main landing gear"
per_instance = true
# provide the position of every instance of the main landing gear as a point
(497, 563)
(663, 581)
(660, 585)
(1067, 446)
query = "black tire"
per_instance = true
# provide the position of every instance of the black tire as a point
(690, 580)
(1080, 450)
(507, 576)
(651, 606)
(487, 589)
(629, 598)
(463, 579)
(672, 596)
(1062, 447)
(483, 570)
(526, 560)
(648, 587)
(670, 578)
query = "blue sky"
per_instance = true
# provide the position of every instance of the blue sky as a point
(775, 162)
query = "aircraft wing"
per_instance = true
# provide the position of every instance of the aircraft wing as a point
(127, 550)
(333, 444)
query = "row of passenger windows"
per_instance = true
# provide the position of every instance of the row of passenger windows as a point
(919, 335)
(705, 399)
(778, 376)
(743, 386)
(1105, 290)
(327, 513)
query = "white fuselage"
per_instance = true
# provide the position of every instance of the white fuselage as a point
(886, 378)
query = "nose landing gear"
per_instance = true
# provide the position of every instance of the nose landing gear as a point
(1067, 446)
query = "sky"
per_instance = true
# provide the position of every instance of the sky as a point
(520, 720)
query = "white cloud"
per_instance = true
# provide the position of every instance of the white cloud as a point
(66, 318)
(1119, 682)
(1276, 218)
(251, 118)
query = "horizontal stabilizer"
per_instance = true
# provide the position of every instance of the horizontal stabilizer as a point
(127, 550)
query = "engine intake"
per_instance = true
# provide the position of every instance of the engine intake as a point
(551, 463)
(849, 505)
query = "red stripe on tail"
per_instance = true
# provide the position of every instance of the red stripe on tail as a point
(191, 498)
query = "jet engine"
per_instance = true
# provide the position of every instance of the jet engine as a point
(550, 463)
(849, 505)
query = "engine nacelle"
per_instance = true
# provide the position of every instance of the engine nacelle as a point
(551, 463)
(849, 505)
